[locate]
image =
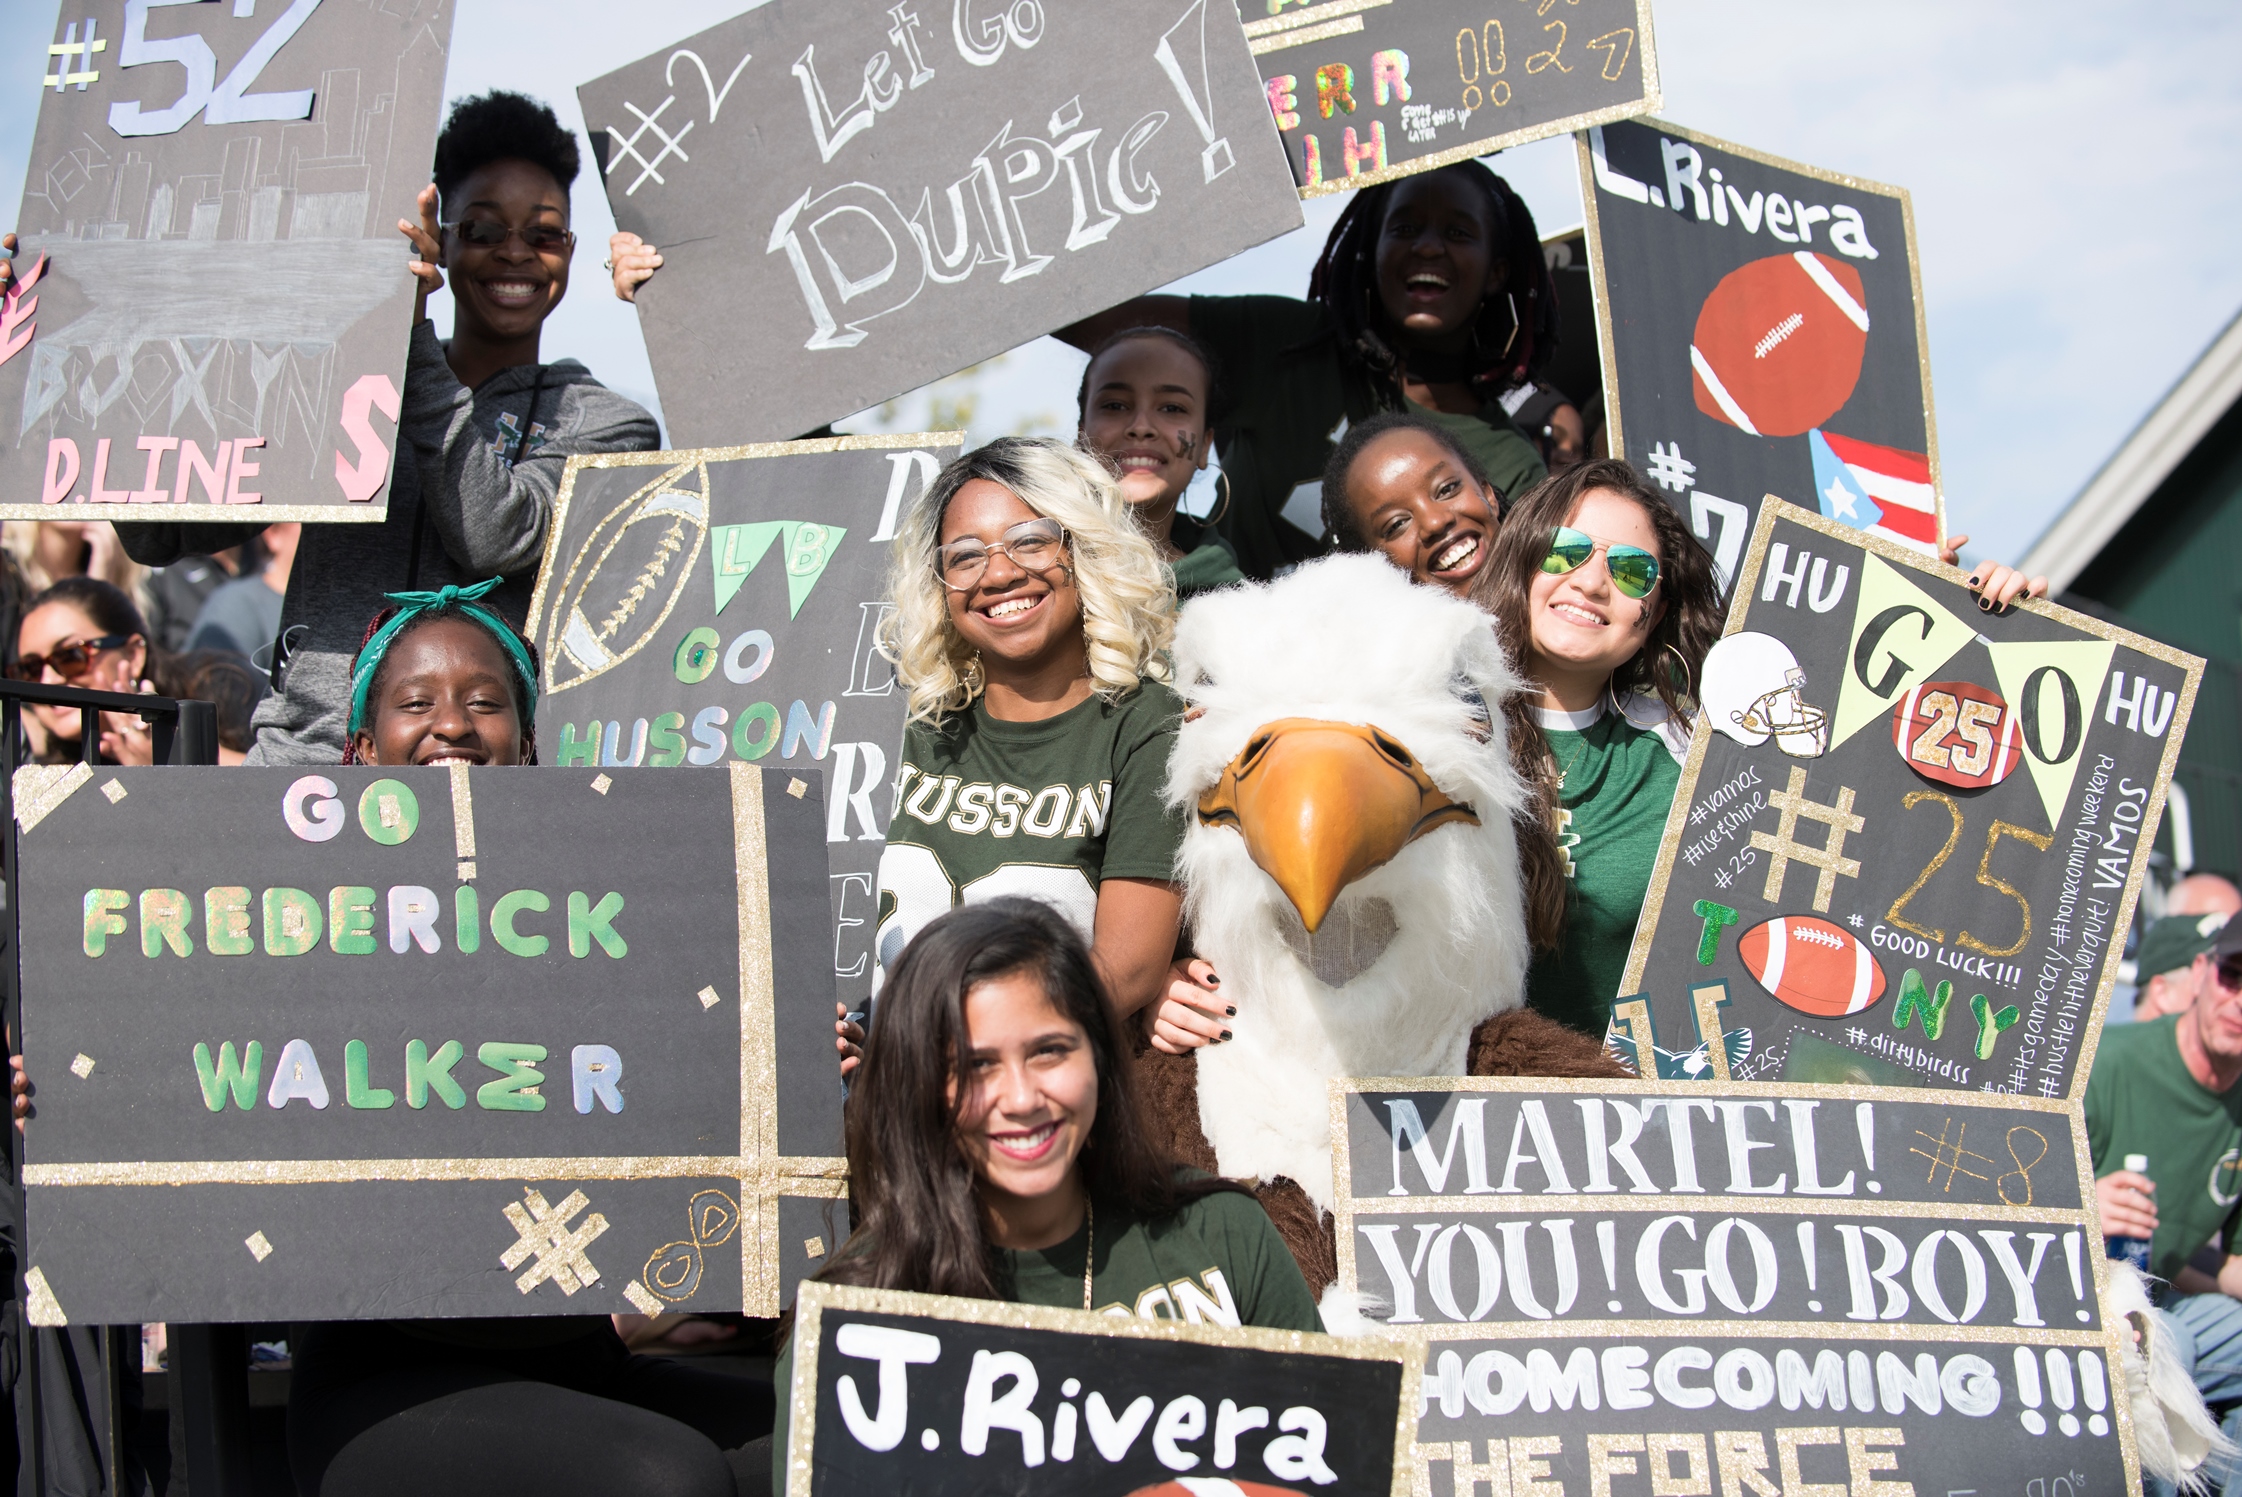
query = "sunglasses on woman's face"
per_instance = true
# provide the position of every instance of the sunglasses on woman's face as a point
(1633, 570)
(69, 661)
(489, 233)
(1033, 545)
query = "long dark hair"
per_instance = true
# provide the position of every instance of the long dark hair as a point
(919, 1221)
(1345, 284)
(1672, 653)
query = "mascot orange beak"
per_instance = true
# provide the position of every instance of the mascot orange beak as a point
(1320, 804)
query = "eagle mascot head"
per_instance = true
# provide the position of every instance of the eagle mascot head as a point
(1350, 866)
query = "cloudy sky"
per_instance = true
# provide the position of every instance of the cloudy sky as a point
(2073, 168)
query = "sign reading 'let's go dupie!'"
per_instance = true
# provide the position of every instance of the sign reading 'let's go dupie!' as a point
(414, 1042)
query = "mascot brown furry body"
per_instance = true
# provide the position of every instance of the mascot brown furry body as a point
(1350, 868)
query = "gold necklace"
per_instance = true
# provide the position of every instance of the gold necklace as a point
(1090, 1248)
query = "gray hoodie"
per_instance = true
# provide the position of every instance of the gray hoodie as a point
(460, 510)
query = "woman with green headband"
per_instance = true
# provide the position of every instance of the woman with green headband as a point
(554, 1403)
(441, 679)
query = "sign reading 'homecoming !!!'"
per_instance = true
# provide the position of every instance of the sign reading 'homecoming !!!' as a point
(211, 305)
(855, 197)
(1909, 833)
(1761, 329)
(417, 1042)
(1367, 90)
(1868, 1289)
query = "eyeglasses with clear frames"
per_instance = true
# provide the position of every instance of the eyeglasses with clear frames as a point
(1032, 545)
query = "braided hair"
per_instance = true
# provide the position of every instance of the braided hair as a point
(408, 612)
(1345, 284)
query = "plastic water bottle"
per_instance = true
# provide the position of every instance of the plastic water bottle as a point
(2133, 1250)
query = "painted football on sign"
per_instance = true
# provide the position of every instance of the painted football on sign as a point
(1779, 343)
(1957, 733)
(630, 571)
(1812, 965)
(1213, 1486)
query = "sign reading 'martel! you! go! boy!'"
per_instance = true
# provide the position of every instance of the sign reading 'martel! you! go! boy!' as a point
(416, 1042)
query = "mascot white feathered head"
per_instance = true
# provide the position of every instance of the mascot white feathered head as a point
(1350, 865)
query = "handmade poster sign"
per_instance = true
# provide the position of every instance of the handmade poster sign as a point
(1761, 325)
(723, 606)
(415, 1042)
(933, 1396)
(1909, 833)
(855, 197)
(1775, 1283)
(211, 304)
(1364, 91)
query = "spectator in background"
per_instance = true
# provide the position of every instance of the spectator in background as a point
(2203, 894)
(243, 615)
(234, 687)
(85, 632)
(51, 550)
(2166, 962)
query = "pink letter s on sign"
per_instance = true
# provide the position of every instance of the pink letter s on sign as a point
(16, 310)
(364, 479)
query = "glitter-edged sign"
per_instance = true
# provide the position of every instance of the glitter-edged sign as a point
(1909, 833)
(1774, 1283)
(1364, 91)
(856, 197)
(399, 1043)
(212, 307)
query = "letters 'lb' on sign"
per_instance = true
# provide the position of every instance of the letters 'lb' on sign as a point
(1909, 832)
(375, 1042)
(212, 310)
(854, 198)
(1364, 91)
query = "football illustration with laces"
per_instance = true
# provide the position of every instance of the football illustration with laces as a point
(1779, 343)
(1812, 965)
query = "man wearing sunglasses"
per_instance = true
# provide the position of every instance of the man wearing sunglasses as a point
(2170, 1090)
(485, 433)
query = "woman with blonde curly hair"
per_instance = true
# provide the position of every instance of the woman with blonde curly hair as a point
(1031, 624)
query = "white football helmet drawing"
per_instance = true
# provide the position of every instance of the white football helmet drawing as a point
(1753, 690)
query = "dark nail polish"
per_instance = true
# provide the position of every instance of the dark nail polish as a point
(1213, 981)
(1985, 605)
(1231, 1012)
(1226, 1034)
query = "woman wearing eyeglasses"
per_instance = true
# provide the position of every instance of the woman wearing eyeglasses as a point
(484, 431)
(85, 632)
(1030, 628)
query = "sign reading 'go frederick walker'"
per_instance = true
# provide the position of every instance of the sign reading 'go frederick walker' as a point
(414, 1042)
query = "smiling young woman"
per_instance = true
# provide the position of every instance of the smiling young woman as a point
(1031, 625)
(1144, 403)
(1404, 487)
(443, 680)
(996, 1149)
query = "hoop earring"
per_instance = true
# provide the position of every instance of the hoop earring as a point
(1222, 482)
(1512, 341)
(973, 677)
(1689, 687)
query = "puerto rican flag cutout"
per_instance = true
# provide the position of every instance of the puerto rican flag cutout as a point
(1881, 490)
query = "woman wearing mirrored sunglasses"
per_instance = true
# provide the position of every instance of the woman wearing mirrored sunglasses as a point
(1031, 625)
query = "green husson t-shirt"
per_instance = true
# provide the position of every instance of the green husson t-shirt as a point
(2140, 1099)
(1619, 781)
(1047, 810)
(1285, 400)
(1216, 1261)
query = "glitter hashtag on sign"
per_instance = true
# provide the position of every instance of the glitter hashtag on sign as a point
(1949, 1156)
(1668, 468)
(544, 1231)
(1828, 860)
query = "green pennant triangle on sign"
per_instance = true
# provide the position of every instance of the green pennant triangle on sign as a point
(808, 547)
(1900, 636)
(2052, 687)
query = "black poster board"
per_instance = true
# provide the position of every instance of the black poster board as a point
(409, 1043)
(1672, 1280)
(918, 1393)
(1364, 91)
(213, 305)
(1909, 834)
(723, 606)
(855, 197)
(1761, 326)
